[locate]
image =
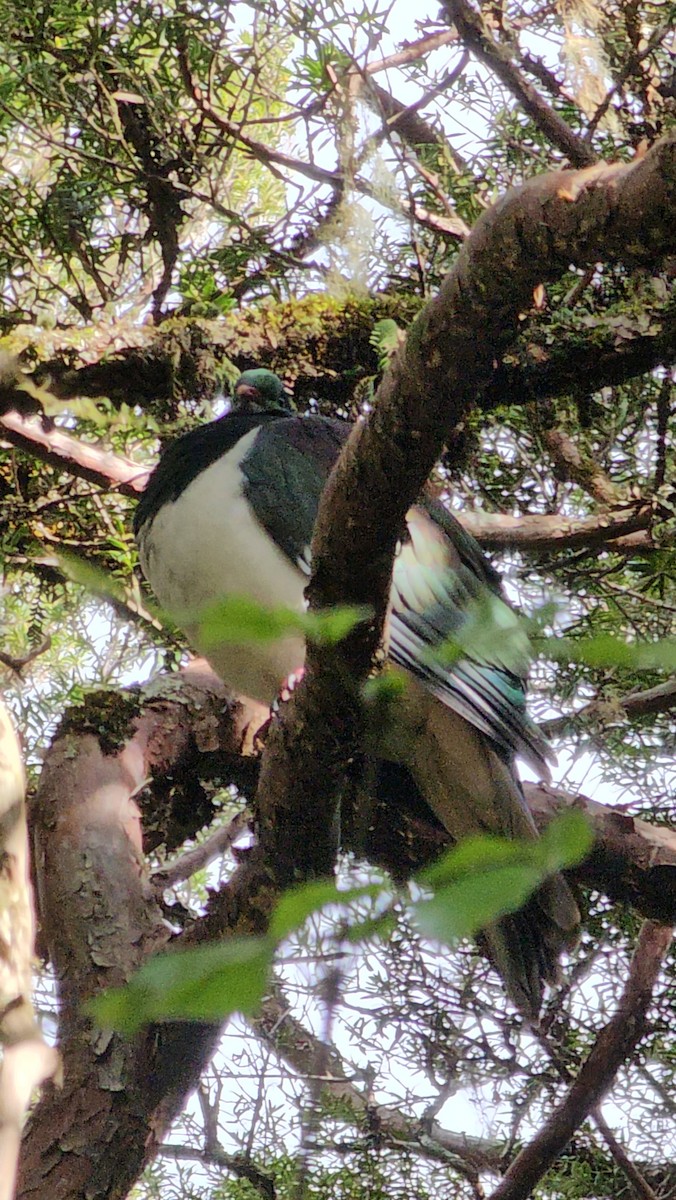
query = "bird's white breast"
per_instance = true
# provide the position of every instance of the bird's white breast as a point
(207, 545)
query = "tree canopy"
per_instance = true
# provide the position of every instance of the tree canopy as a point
(459, 223)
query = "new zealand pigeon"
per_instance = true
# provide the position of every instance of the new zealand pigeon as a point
(230, 509)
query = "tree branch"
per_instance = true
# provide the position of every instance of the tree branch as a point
(238, 1165)
(101, 921)
(200, 856)
(539, 532)
(571, 463)
(68, 453)
(411, 52)
(621, 213)
(301, 1050)
(631, 861)
(612, 1047)
(476, 36)
(318, 344)
(661, 698)
(571, 367)
(543, 532)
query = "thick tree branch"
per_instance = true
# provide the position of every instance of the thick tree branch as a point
(101, 921)
(612, 1047)
(631, 861)
(619, 213)
(570, 366)
(317, 344)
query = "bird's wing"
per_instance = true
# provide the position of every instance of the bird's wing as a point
(441, 584)
(440, 576)
(285, 473)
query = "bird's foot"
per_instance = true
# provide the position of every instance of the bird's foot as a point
(285, 693)
(287, 689)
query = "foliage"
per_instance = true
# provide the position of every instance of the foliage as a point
(189, 190)
(464, 891)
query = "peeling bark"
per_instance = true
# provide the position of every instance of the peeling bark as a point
(101, 921)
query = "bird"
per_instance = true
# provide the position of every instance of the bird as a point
(229, 511)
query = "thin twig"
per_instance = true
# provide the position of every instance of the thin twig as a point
(200, 856)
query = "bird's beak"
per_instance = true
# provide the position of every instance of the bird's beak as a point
(248, 397)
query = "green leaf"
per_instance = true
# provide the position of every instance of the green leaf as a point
(385, 339)
(92, 579)
(476, 882)
(205, 984)
(566, 841)
(371, 927)
(604, 650)
(299, 903)
(239, 620)
(383, 688)
(490, 632)
(477, 855)
(334, 624)
(485, 877)
(469, 904)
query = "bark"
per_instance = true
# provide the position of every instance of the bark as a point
(544, 532)
(631, 861)
(575, 366)
(571, 463)
(620, 213)
(320, 344)
(101, 920)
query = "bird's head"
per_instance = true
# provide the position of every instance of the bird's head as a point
(260, 390)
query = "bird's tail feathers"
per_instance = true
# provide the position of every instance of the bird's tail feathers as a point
(473, 791)
(525, 946)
